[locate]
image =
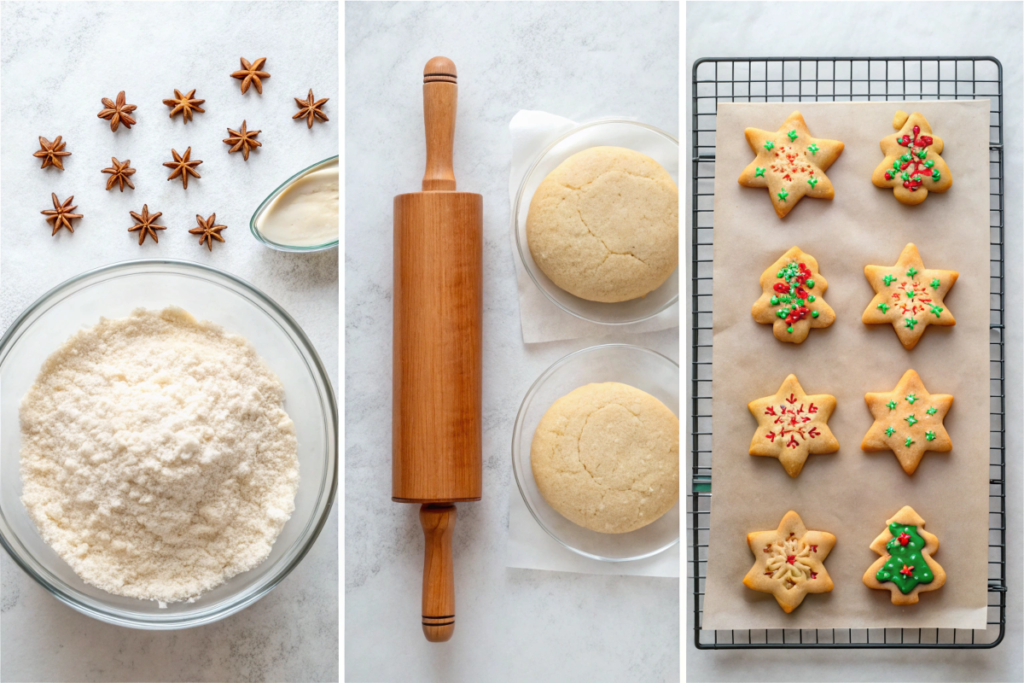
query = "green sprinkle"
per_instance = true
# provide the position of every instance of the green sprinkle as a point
(779, 274)
(792, 135)
(935, 283)
(814, 314)
(929, 163)
(775, 301)
(812, 298)
(812, 181)
(911, 294)
(912, 272)
(758, 172)
(782, 195)
(936, 310)
(769, 145)
(905, 176)
(908, 442)
(896, 165)
(781, 313)
(922, 154)
(888, 279)
(813, 148)
(910, 322)
(891, 404)
(935, 174)
(932, 410)
(911, 398)
(905, 157)
(889, 431)
(911, 420)
(883, 307)
(790, 329)
(930, 435)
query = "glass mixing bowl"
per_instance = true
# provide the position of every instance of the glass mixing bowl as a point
(208, 294)
(640, 137)
(642, 368)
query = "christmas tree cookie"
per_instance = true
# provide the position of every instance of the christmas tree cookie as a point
(792, 297)
(790, 163)
(909, 296)
(912, 165)
(788, 562)
(906, 567)
(791, 425)
(908, 421)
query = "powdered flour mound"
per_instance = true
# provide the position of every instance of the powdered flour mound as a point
(156, 457)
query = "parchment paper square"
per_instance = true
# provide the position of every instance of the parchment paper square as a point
(851, 493)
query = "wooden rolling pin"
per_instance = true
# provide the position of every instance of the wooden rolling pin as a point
(438, 308)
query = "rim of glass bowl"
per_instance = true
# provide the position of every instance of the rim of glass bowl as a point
(519, 199)
(521, 415)
(93, 608)
(271, 197)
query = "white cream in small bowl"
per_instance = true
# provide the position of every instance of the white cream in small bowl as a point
(301, 214)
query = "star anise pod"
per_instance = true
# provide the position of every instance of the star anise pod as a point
(145, 224)
(118, 112)
(51, 152)
(251, 73)
(61, 214)
(243, 140)
(120, 173)
(182, 166)
(208, 230)
(185, 104)
(310, 109)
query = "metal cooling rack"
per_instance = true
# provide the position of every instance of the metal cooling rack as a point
(838, 79)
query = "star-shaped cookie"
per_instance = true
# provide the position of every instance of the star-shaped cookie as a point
(791, 299)
(788, 562)
(908, 421)
(791, 425)
(905, 567)
(790, 163)
(909, 296)
(912, 165)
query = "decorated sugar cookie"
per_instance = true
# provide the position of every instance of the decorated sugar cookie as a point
(909, 296)
(906, 567)
(912, 165)
(790, 163)
(908, 421)
(788, 562)
(791, 425)
(792, 297)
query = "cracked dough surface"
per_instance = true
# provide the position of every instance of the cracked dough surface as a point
(606, 457)
(604, 225)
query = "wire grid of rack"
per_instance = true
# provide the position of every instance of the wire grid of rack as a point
(838, 79)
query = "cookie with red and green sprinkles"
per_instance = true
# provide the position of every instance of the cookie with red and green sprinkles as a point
(909, 296)
(908, 421)
(912, 166)
(792, 297)
(790, 163)
(906, 567)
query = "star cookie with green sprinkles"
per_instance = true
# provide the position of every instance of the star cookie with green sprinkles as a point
(909, 296)
(792, 425)
(912, 166)
(906, 567)
(792, 297)
(908, 421)
(790, 163)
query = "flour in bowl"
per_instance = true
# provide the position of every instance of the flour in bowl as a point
(157, 458)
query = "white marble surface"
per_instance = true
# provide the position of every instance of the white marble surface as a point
(876, 29)
(579, 60)
(58, 61)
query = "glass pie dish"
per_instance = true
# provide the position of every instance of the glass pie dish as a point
(208, 294)
(642, 368)
(640, 137)
(268, 204)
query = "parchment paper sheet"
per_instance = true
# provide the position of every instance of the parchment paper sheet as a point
(851, 493)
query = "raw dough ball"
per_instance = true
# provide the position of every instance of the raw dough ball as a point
(604, 225)
(606, 457)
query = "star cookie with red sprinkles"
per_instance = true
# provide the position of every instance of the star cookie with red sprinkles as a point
(908, 421)
(792, 425)
(788, 562)
(792, 297)
(909, 296)
(912, 166)
(790, 163)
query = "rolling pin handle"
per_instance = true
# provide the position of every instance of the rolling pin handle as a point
(438, 522)
(440, 100)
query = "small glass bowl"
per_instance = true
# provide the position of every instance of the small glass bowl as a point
(640, 137)
(208, 294)
(269, 200)
(636, 366)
